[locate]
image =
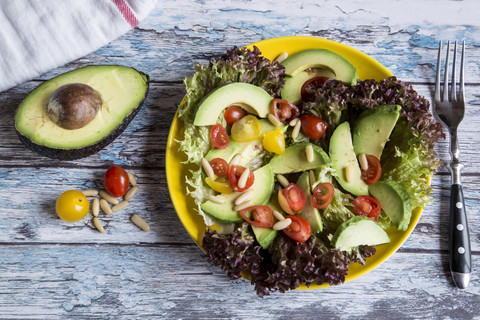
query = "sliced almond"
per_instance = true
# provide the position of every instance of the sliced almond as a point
(130, 193)
(90, 193)
(208, 168)
(282, 180)
(216, 199)
(98, 225)
(296, 130)
(273, 120)
(243, 205)
(139, 222)
(293, 122)
(282, 224)
(131, 179)
(242, 181)
(105, 207)
(247, 195)
(105, 195)
(347, 173)
(236, 160)
(96, 207)
(362, 159)
(121, 205)
(278, 215)
(281, 57)
(309, 153)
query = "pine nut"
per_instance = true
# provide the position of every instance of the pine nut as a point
(139, 222)
(273, 120)
(98, 225)
(129, 195)
(309, 153)
(95, 207)
(282, 180)
(281, 57)
(282, 224)
(278, 215)
(120, 206)
(243, 205)
(90, 193)
(216, 199)
(312, 179)
(347, 173)
(208, 168)
(293, 123)
(244, 196)
(242, 181)
(105, 207)
(296, 130)
(362, 159)
(131, 179)
(236, 159)
(105, 195)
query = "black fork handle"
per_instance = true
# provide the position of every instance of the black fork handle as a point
(459, 238)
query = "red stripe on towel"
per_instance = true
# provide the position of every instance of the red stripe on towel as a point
(126, 13)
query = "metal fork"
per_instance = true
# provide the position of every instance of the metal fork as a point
(450, 108)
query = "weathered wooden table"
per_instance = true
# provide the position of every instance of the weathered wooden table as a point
(53, 269)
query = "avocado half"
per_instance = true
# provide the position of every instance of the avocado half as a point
(122, 89)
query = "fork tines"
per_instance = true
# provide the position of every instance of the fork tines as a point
(453, 90)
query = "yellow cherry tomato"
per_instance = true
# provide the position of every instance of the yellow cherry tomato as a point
(246, 129)
(220, 185)
(274, 141)
(72, 205)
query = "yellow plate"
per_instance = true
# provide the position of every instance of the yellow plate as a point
(367, 68)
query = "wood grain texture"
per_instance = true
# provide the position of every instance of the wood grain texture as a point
(50, 269)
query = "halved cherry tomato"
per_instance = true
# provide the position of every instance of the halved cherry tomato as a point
(234, 113)
(220, 167)
(314, 82)
(284, 110)
(116, 181)
(367, 206)
(322, 195)
(294, 196)
(374, 170)
(234, 174)
(262, 216)
(299, 230)
(246, 129)
(219, 137)
(313, 126)
(274, 141)
(220, 185)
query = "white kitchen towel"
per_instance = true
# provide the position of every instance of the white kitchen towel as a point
(39, 35)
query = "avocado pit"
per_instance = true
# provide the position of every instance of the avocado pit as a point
(74, 105)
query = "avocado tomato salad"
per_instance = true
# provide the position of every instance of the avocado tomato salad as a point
(300, 166)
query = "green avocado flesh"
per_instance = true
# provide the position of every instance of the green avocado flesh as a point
(372, 129)
(343, 157)
(262, 186)
(394, 200)
(248, 96)
(294, 159)
(293, 85)
(122, 90)
(358, 231)
(321, 58)
(308, 212)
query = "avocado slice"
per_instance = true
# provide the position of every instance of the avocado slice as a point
(308, 212)
(248, 96)
(122, 91)
(343, 157)
(372, 129)
(358, 231)
(265, 236)
(321, 58)
(394, 200)
(294, 159)
(262, 186)
(293, 85)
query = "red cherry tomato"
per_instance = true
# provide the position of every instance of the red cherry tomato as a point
(374, 170)
(219, 137)
(299, 230)
(367, 206)
(220, 167)
(262, 216)
(310, 84)
(284, 110)
(116, 181)
(235, 172)
(234, 113)
(322, 195)
(295, 197)
(313, 126)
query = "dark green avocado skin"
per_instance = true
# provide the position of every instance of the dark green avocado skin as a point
(78, 153)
